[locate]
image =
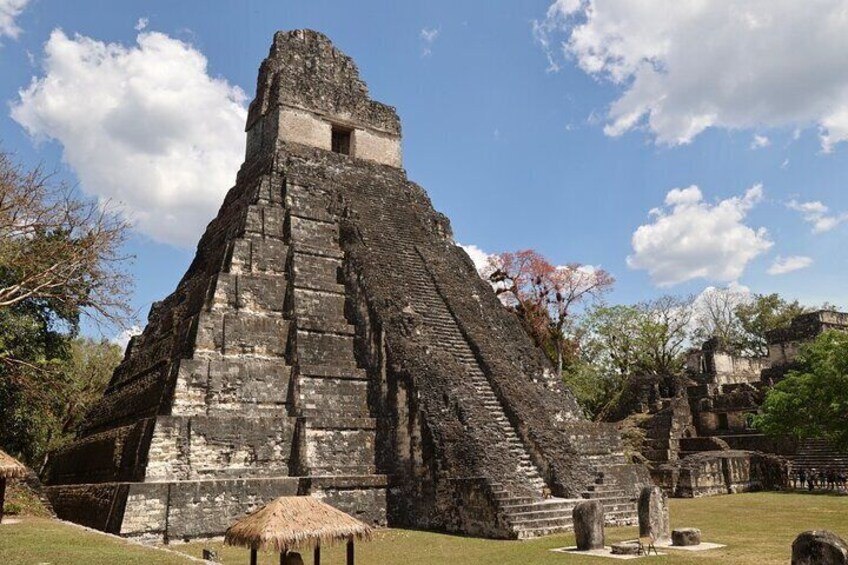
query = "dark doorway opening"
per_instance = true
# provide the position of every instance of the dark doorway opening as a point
(341, 140)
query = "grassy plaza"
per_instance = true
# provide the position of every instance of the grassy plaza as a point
(757, 528)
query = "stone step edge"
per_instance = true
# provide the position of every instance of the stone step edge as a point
(332, 372)
(338, 423)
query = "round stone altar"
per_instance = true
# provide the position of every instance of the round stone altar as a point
(686, 536)
(625, 548)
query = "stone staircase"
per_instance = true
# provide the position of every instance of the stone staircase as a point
(527, 510)
(619, 507)
(820, 455)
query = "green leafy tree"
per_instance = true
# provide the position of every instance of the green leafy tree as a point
(765, 312)
(812, 401)
(60, 259)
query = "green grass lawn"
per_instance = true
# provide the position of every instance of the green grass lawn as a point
(757, 528)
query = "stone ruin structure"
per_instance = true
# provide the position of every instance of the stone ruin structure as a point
(698, 437)
(330, 339)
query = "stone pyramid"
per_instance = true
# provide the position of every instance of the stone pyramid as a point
(330, 339)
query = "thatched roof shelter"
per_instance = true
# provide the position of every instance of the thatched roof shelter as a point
(10, 468)
(296, 522)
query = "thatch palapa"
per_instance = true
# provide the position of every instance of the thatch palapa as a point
(10, 468)
(295, 522)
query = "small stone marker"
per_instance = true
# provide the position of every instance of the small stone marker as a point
(624, 548)
(653, 514)
(819, 547)
(588, 518)
(686, 536)
(210, 555)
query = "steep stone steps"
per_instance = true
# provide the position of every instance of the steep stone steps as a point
(820, 455)
(440, 324)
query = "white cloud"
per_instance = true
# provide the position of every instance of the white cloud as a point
(143, 126)
(783, 265)
(9, 10)
(141, 24)
(760, 141)
(683, 67)
(428, 36)
(818, 215)
(688, 238)
(482, 260)
(123, 338)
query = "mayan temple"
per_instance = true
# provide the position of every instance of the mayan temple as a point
(330, 339)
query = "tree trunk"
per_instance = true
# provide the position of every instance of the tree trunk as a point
(559, 357)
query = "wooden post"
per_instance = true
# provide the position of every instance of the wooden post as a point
(316, 559)
(252, 557)
(283, 556)
(350, 558)
(2, 496)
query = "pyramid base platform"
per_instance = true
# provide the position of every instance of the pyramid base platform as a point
(184, 510)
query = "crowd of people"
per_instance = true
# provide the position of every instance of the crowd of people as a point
(812, 479)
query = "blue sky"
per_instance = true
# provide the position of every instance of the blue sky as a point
(522, 142)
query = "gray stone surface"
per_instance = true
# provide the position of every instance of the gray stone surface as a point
(624, 548)
(819, 547)
(685, 537)
(589, 525)
(653, 514)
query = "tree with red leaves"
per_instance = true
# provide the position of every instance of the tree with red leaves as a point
(544, 295)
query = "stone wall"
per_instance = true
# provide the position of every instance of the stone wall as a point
(712, 473)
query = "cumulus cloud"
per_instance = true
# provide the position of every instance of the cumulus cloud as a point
(9, 11)
(428, 36)
(144, 127)
(141, 24)
(783, 265)
(818, 215)
(683, 67)
(760, 141)
(688, 238)
(481, 259)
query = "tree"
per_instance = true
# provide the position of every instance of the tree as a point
(664, 334)
(60, 259)
(612, 337)
(812, 401)
(57, 247)
(45, 406)
(544, 295)
(646, 338)
(715, 316)
(765, 312)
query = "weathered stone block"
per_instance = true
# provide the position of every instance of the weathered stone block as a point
(315, 348)
(345, 451)
(257, 334)
(653, 514)
(588, 517)
(314, 233)
(187, 448)
(686, 536)
(266, 221)
(258, 255)
(819, 547)
(317, 272)
(333, 395)
(319, 305)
